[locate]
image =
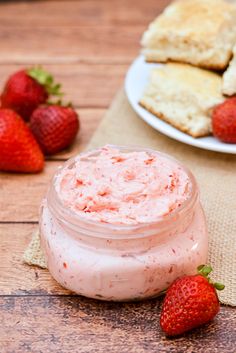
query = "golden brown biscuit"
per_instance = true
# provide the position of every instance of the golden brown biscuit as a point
(183, 96)
(199, 32)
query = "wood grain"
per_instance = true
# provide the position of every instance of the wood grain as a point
(82, 13)
(21, 194)
(17, 278)
(76, 324)
(69, 44)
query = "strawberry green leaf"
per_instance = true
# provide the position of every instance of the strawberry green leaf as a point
(41, 76)
(46, 80)
(204, 270)
(219, 286)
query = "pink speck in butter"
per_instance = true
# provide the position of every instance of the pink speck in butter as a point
(119, 187)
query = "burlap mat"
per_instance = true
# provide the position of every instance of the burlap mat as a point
(216, 175)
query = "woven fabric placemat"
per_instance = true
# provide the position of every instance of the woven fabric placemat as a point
(216, 176)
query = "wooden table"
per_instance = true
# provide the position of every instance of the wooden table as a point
(88, 45)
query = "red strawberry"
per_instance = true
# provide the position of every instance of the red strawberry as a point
(27, 89)
(224, 121)
(190, 301)
(19, 151)
(54, 127)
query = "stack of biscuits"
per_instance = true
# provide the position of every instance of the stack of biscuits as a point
(196, 39)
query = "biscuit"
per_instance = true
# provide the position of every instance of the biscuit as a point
(199, 32)
(183, 96)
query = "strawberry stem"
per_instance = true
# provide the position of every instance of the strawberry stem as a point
(205, 270)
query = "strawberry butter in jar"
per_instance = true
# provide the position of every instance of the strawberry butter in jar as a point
(122, 223)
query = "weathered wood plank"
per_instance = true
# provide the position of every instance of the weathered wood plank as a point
(17, 278)
(69, 44)
(74, 13)
(76, 324)
(21, 194)
(85, 85)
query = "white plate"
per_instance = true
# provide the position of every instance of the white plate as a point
(135, 82)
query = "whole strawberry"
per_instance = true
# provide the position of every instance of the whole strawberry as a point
(19, 151)
(224, 121)
(25, 90)
(54, 127)
(190, 301)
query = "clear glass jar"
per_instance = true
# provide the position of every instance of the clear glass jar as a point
(122, 262)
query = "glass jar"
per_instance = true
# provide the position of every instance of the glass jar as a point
(122, 262)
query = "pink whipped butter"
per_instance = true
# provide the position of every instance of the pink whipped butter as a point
(122, 223)
(119, 187)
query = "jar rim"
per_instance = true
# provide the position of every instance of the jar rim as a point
(59, 209)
